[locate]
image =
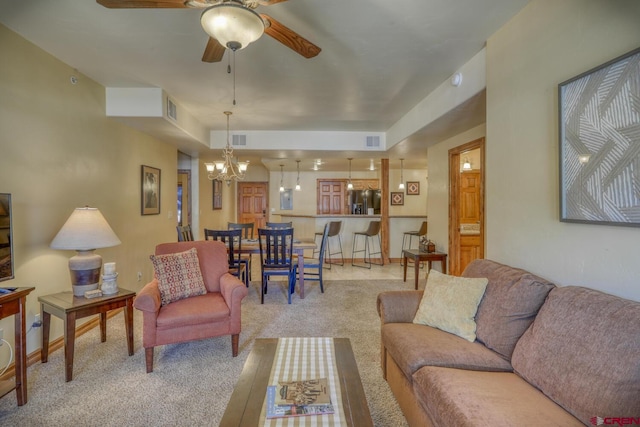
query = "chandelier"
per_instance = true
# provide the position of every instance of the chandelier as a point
(227, 169)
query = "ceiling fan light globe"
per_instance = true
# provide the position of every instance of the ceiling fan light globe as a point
(233, 25)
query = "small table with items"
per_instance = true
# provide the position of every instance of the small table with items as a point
(418, 256)
(13, 303)
(68, 307)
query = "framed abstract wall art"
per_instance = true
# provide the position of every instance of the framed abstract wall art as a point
(599, 135)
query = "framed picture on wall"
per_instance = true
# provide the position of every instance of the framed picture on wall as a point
(150, 190)
(599, 148)
(397, 198)
(217, 194)
(413, 188)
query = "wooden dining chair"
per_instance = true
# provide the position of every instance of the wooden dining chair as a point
(277, 225)
(247, 228)
(276, 258)
(312, 266)
(184, 233)
(238, 266)
(247, 233)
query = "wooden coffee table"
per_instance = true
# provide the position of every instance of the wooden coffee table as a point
(246, 402)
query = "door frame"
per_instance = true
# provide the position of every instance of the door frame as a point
(454, 199)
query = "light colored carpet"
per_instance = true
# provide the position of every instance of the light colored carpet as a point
(192, 382)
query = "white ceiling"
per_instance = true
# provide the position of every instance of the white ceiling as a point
(379, 58)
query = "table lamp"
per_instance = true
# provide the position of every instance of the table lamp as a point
(85, 231)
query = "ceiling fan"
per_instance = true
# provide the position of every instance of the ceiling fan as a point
(249, 25)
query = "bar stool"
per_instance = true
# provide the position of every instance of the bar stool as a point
(334, 230)
(411, 235)
(370, 233)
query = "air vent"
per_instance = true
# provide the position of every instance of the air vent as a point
(172, 110)
(372, 143)
(239, 140)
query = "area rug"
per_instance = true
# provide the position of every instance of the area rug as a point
(192, 382)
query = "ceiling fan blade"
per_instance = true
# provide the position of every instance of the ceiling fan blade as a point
(139, 4)
(269, 2)
(214, 51)
(289, 38)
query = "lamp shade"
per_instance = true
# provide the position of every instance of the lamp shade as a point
(86, 229)
(233, 25)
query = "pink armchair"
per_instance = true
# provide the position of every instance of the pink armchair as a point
(213, 314)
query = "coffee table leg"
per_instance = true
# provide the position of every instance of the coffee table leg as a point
(128, 323)
(416, 269)
(69, 342)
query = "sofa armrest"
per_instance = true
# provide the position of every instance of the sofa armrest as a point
(233, 290)
(398, 306)
(148, 299)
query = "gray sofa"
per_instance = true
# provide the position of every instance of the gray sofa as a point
(543, 356)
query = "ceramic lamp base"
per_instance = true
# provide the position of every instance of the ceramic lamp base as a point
(85, 272)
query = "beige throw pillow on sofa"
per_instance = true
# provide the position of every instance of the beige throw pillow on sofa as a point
(450, 303)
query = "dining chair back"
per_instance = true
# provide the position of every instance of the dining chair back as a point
(247, 229)
(184, 233)
(276, 257)
(232, 239)
(277, 225)
(312, 266)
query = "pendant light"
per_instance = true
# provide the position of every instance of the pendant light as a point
(349, 183)
(401, 186)
(298, 179)
(466, 165)
(281, 179)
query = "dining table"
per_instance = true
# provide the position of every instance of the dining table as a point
(252, 246)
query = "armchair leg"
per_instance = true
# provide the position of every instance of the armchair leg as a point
(148, 354)
(234, 344)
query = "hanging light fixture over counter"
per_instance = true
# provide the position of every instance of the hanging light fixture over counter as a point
(227, 169)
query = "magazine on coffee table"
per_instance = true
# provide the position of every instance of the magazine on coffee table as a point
(283, 411)
(303, 392)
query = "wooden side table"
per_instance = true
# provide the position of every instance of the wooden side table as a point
(417, 256)
(68, 307)
(14, 304)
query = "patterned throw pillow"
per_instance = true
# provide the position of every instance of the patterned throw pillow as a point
(178, 275)
(450, 304)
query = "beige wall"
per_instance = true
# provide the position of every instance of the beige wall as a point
(546, 44)
(58, 151)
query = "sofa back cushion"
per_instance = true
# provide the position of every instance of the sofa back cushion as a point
(510, 303)
(211, 254)
(583, 351)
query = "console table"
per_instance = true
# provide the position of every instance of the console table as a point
(13, 304)
(417, 256)
(68, 307)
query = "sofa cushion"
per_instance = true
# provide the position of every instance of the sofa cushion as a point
(510, 303)
(413, 346)
(178, 275)
(455, 397)
(450, 303)
(583, 351)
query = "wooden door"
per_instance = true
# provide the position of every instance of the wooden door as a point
(466, 209)
(470, 245)
(331, 197)
(253, 203)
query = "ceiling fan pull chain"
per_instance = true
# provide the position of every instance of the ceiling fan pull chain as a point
(234, 77)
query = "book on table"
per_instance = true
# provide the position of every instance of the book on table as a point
(275, 410)
(303, 392)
